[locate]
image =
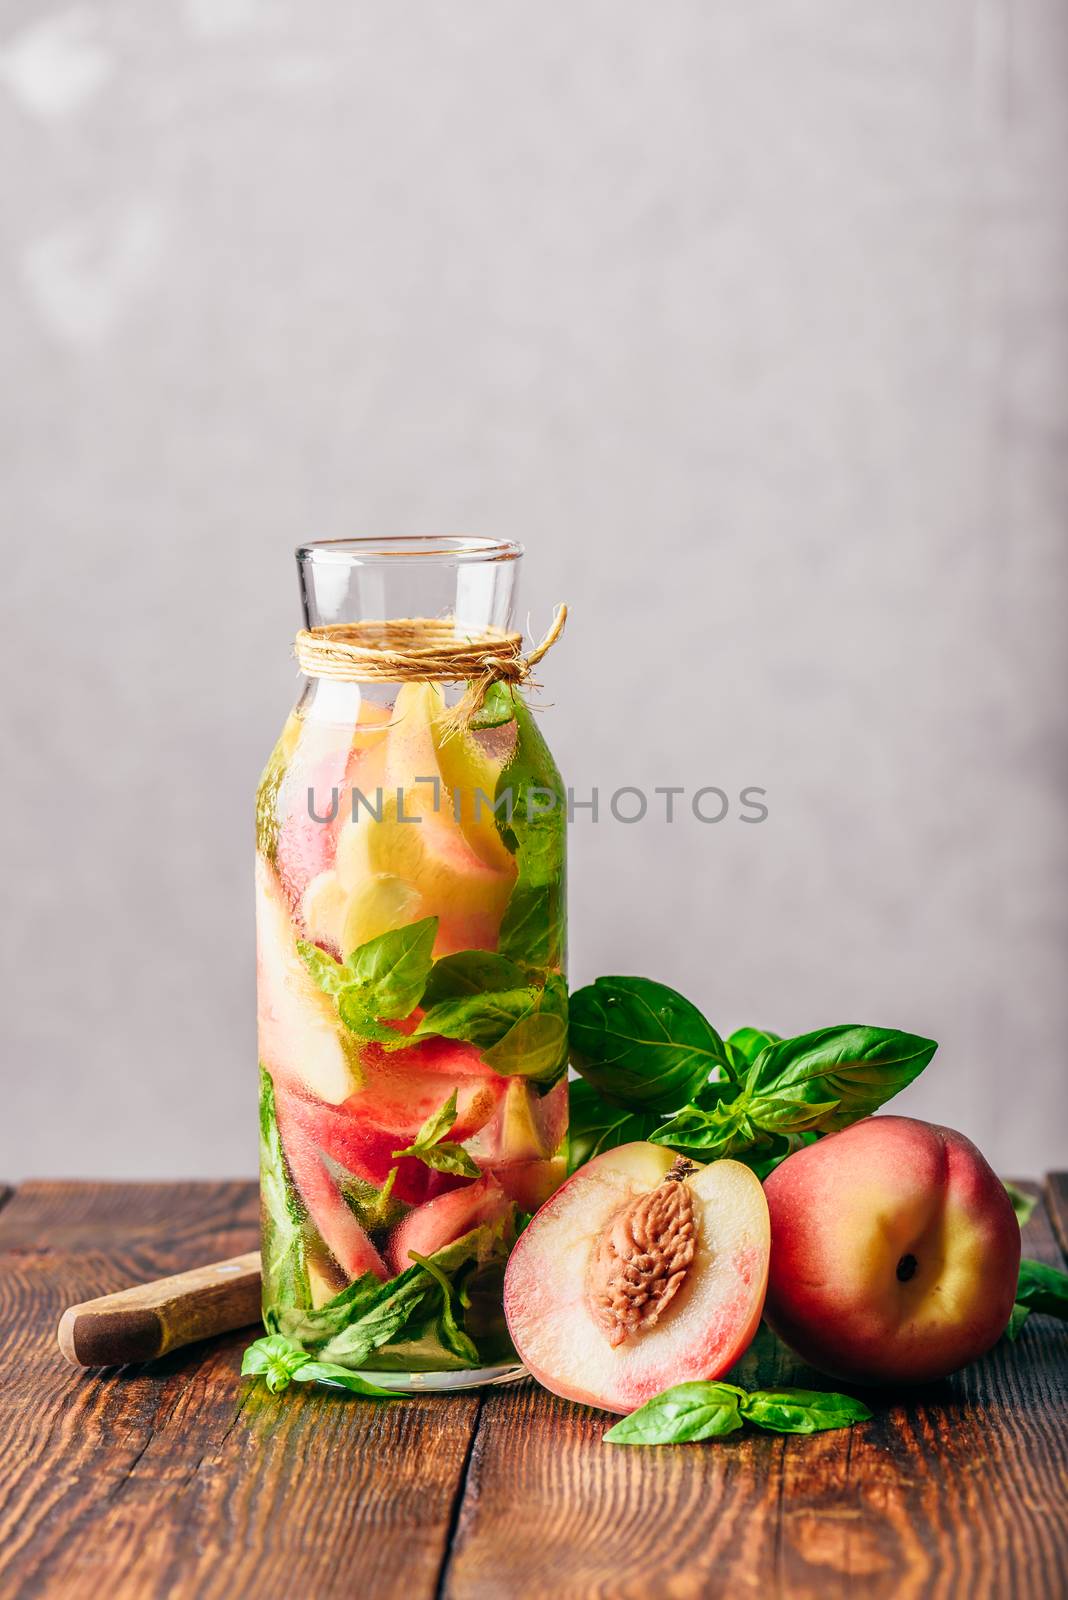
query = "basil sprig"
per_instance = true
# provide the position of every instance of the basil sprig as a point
(1040, 1288)
(693, 1411)
(433, 1148)
(280, 1362)
(382, 980)
(648, 1052)
(490, 1001)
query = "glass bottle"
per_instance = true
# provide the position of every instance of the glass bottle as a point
(410, 909)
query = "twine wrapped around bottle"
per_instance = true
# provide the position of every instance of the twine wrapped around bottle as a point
(410, 649)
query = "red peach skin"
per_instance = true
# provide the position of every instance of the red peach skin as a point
(894, 1252)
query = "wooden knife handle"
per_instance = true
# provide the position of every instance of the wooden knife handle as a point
(142, 1323)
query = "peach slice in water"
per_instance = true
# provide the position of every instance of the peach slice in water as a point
(301, 1039)
(332, 1219)
(432, 1226)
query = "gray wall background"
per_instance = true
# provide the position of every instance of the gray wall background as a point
(751, 320)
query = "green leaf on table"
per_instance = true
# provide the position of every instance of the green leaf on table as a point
(432, 1147)
(1043, 1288)
(594, 1126)
(280, 1362)
(685, 1413)
(643, 1045)
(283, 1263)
(531, 817)
(828, 1079)
(694, 1411)
(1017, 1317)
(341, 1378)
(745, 1044)
(801, 1410)
(1022, 1203)
(275, 1359)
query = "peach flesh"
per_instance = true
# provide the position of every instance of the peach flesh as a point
(704, 1330)
(894, 1252)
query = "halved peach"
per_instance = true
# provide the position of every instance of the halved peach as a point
(708, 1319)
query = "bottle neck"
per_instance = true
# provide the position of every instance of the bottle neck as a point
(471, 581)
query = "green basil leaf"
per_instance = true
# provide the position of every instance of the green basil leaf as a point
(445, 1157)
(312, 1328)
(329, 974)
(790, 1116)
(720, 1130)
(377, 1319)
(763, 1159)
(536, 1045)
(496, 708)
(857, 1068)
(1022, 1203)
(354, 1007)
(285, 1277)
(481, 1019)
(393, 969)
(340, 1377)
(642, 1045)
(745, 1044)
(594, 1126)
(1017, 1317)
(471, 972)
(452, 1335)
(532, 926)
(689, 1411)
(801, 1410)
(1043, 1288)
(437, 1125)
(431, 1149)
(373, 1207)
(532, 929)
(274, 1358)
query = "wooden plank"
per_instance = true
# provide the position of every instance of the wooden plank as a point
(178, 1479)
(1056, 1198)
(956, 1488)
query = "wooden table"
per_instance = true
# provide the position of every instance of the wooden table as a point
(180, 1479)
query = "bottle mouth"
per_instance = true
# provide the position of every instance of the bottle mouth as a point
(421, 547)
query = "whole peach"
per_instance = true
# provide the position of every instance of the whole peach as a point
(895, 1252)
